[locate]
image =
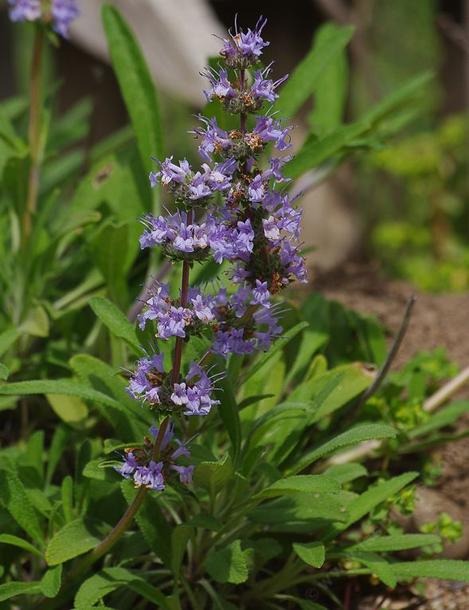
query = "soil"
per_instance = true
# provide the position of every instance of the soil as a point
(437, 320)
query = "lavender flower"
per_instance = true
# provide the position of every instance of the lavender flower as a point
(63, 13)
(176, 235)
(25, 10)
(150, 476)
(220, 86)
(264, 88)
(270, 130)
(129, 465)
(194, 394)
(60, 12)
(186, 184)
(145, 383)
(140, 466)
(243, 49)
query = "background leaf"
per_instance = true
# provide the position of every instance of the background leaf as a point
(136, 85)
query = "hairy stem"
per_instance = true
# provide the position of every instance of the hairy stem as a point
(184, 296)
(243, 115)
(34, 133)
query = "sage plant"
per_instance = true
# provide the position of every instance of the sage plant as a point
(230, 210)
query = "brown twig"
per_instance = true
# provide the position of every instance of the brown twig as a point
(374, 387)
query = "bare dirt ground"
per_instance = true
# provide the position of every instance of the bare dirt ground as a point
(438, 320)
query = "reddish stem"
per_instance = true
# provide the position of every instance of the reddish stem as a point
(184, 296)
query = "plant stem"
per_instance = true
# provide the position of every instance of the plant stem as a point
(184, 296)
(243, 115)
(34, 132)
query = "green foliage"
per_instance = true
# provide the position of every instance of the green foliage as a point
(307, 77)
(136, 85)
(429, 233)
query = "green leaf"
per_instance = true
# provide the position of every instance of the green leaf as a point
(72, 540)
(111, 246)
(305, 604)
(328, 44)
(357, 434)
(57, 447)
(229, 413)
(128, 418)
(396, 542)
(70, 409)
(316, 151)
(229, 564)
(311, 341)
(115, 321)
(66, 492)
(307, 483)
(136, 85)
(51, 581)
(345, 473)
(350, 379)
(36, 323)
(446, 569)
(378, 566)
(14, 498)
(4, 372)
(111, 579)
(278, 345)
(312, 553)
(100, 470)
(331, 95)
(57, 386)
(376, 495)
(445, 417)
(213, 476)
(180, 536)
(20, 543)
(301, 509)
(7, 338)
(152, 523)
(12, 589)
(95, 588)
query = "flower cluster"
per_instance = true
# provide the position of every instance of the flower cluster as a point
(243, 49)
(140, 466)
(236, 210)
(228, 318)
(246, 99)
(181, 239)
(187, 185)
(152, 385)
(235, 144)
(60, 12)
